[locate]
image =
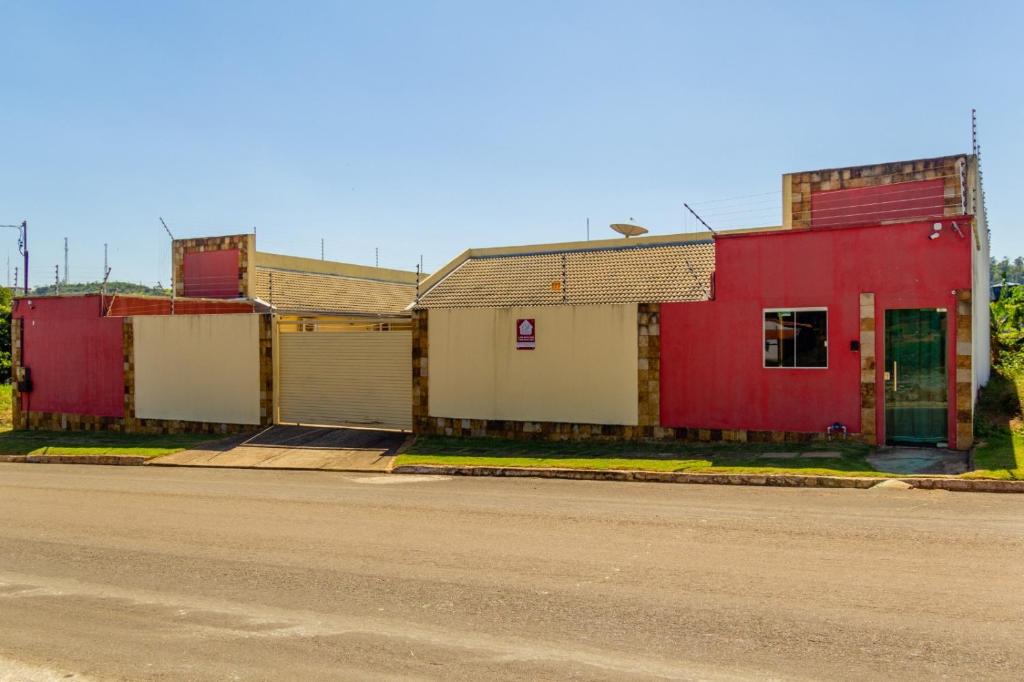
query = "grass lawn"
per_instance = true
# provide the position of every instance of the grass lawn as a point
(689, 457)
(1000, 429)
(5, 407)
(999, 452)
(85, 442)
(94, 443)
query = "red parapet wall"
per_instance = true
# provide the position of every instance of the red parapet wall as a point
(712, 373)
(212, 274)
(877, 204)
(127, 306)
(75, 355)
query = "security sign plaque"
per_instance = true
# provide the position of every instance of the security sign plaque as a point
(526, 334)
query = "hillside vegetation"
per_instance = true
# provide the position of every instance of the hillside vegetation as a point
(95, 287)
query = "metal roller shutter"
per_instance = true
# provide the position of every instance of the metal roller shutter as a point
(346, 378)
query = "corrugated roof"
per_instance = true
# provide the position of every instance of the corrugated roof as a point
(316, 292)
(634, 274)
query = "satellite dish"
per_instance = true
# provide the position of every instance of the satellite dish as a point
(627, 230)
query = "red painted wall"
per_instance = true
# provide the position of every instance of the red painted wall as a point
(711, 362)
(882, 203)
(211, 274)
(76, 356)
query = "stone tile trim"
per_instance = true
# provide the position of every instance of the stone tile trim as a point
(420, 378)
(128, 352)
(964, 371)
(868, 370)
(648, 364)
(17, 416)
(802, 185)
(60, 421)
(246, 245)
(564, 431)
(266, 351)
(129, 423)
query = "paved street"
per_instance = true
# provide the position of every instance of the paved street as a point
(169, 573)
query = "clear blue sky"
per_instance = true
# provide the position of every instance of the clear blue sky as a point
(428, 127)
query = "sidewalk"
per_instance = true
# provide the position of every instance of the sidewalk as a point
(296, 447)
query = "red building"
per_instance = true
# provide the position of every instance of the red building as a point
(869, 311)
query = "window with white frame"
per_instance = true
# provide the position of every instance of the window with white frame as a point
(795, 337)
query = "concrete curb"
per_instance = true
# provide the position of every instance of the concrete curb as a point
(110, 460)
(780, 480)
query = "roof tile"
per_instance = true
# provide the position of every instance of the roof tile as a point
(314, 292)
(670, 272)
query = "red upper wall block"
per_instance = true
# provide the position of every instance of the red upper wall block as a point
(211, 274)
(879, 204)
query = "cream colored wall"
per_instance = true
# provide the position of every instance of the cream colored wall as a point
(584, 369)
(202, 368)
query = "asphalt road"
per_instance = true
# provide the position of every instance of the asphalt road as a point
(149, 573)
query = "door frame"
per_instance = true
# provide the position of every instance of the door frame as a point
(882, 428)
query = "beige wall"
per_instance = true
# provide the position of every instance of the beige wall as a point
(198, 368)
(584, 369)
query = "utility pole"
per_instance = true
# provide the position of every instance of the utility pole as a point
(23, 248)
(321, 248)
(15, 279)
(56, 279)
(105, 268)
(65, 260)
(588, 229)
(376, 257)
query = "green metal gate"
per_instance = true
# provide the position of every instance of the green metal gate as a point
(916, 380)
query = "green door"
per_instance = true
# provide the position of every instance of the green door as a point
(916, 388)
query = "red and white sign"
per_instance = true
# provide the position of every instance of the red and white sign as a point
(526, 334)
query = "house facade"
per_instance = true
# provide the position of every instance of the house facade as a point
(856, 316)
(863, 314)
(556, 340)
(248, 339)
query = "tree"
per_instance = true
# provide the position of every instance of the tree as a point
(1008, 330)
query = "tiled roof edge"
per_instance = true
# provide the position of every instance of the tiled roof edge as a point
(624, 247)
(410, 285)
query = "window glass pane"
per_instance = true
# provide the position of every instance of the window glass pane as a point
(778, 339)
(811, 338)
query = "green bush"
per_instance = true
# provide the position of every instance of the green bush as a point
(1008, 332)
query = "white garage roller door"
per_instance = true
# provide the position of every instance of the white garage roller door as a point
(345, 378)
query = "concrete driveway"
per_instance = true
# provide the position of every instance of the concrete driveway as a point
(296, 447)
